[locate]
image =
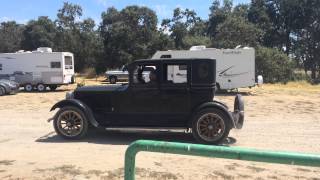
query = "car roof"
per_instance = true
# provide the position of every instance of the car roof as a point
(170, 60)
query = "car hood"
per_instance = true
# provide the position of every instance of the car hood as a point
(101, 88)
(9, 83)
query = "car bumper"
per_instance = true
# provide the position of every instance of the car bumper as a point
(14, 90)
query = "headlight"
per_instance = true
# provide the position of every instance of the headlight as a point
(69, 95)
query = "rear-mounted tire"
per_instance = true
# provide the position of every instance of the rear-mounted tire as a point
(238, 114)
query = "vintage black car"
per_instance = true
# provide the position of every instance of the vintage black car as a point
(158, 102)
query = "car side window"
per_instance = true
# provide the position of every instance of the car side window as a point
(145, 74)
(175, 73)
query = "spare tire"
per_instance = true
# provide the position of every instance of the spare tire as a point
(238, 111)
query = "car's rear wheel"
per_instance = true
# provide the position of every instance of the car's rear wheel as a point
(113, 79)
(210, 126)
(70, 123)
(28, 87)
(2, 91)
(41, 87)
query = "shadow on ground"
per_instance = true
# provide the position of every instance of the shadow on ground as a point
(233, 93)
(126, 137)
(47, 91)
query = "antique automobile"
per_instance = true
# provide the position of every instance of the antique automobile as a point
(161, 101)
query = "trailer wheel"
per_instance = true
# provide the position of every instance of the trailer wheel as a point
(113, 79)
(210, 126)
(53, 87)
(41, 87)
(28, 87)
(2, 91)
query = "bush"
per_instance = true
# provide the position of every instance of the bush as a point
(89, 73)
(273, 65)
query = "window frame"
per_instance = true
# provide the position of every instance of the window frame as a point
(145, 85)
(54, 67)
(165, 81)
(68, 66)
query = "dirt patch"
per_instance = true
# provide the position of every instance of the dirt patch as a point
(7, 162)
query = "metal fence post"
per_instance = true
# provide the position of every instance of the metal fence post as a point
(290, 158)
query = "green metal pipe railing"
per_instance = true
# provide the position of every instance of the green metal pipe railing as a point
(290, 158)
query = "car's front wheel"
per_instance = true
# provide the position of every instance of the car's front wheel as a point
(70, 123)
(210, 126)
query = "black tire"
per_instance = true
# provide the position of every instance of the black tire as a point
(217, 89)
(113, 80)
(239, 110)
(77, 117)
(2, 91)
(218, 125)
(28, 87)
(41, 87)
(53, 87)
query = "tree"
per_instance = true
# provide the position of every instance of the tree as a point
(236, 31)
(273, 65)
(306, 44)
(10, 36)
(128, 34)
(185, 28)
(78, 37)
(39, 33)
(218, 15)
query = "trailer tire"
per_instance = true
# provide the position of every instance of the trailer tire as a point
(53, 87)
(41, 87)
(28, 87)
(2, 91)
(113, 79)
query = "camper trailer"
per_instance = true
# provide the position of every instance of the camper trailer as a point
(38, 69)
(235, 67)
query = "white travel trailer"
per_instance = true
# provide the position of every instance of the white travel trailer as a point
(235, 67)
(38, 69)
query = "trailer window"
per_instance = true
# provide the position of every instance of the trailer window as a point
(68, 62)
(55, 64)
(165, 56)
(0, 67)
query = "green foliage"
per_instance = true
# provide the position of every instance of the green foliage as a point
(184, 24)
(39, 33)
(128, 34)
(10, 36)
(273, 65)
(234, 31)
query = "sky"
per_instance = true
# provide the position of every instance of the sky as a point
(23, 11)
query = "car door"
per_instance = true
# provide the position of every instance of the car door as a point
(145, 101)
(175, 93)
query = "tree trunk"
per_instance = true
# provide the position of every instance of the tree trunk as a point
(288, 43)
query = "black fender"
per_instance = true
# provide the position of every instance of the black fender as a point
(214, 104)
(79, 104)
